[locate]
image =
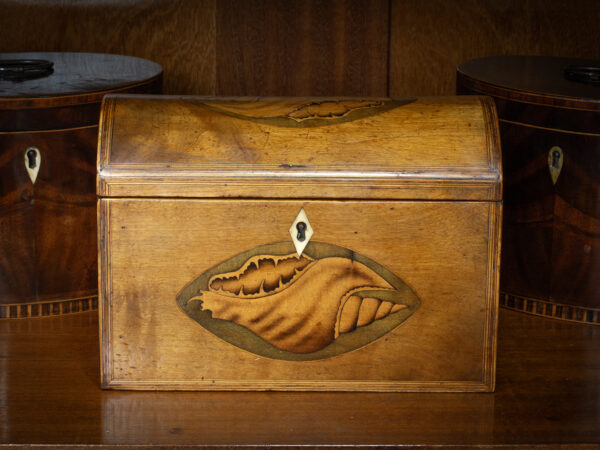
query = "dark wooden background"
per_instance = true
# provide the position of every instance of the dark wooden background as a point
(305, 47)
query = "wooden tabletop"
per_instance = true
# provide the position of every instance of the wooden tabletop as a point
(548, 392)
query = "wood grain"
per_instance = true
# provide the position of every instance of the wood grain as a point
(65, 207)
(430, 38)
(528, 217)
(75, 79)
(538, 81)
(17, 259)
(56, 217)
(310, 48)
(547, 396)
(64, 211)
(245, 148)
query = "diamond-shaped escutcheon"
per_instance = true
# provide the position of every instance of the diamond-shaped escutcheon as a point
(301, 231)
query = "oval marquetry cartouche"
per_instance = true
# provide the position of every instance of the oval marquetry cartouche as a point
(549, 113)
(48, 136)
(272, 289)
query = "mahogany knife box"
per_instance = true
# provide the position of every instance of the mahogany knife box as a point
(298, 244)
(49, 111)
(549, 122)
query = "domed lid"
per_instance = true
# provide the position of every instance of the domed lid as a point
(398, 149)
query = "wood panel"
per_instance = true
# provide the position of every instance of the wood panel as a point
(178, 34)
(65, 214)
(443, 266)
(48, 243)
(251, 48)
(576, 260)
(308, 48)
(315, 47)
(528, 216)
(17, 258)
(429, 38)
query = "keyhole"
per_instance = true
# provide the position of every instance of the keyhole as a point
(555, 158)
(31, 159)
(301, 227)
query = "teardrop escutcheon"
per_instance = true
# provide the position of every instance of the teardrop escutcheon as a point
(33, 160)
(555, 162)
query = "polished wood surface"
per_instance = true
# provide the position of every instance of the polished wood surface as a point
(222, 47)
(76, 78)
(444, 148)
(538, 80)
(550, 264)
(151, 250)
(316, 47)
(547, 392)
(57, 214)
(47, 227)
(71, 95)
(234, 175)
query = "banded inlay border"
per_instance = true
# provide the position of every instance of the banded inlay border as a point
(48, 308)
(550, 309)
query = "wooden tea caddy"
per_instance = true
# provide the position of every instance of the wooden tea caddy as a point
(298, 244)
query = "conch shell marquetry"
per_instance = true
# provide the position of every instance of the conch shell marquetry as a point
(272, 302)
